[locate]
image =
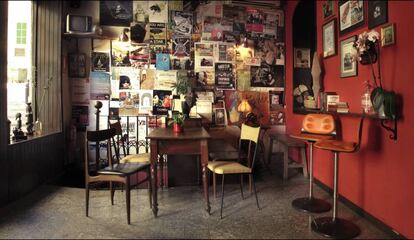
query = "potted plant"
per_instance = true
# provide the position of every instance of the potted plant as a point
(184, 89)
(177, 122)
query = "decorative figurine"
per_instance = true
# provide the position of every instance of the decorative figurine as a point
(17, 131)
(29, 119)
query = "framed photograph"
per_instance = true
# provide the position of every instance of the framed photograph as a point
(377, 13)
(77, 65)
(302, 58)
(348, 67)
(328, 7)
(387, 35)
(351, 15)
(220, 116)
(115, 13)
(329, 38)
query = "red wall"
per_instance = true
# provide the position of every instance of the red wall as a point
(380, 177)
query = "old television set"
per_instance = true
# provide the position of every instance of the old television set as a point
(78, 24)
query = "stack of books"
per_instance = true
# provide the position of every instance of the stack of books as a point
(342, 107)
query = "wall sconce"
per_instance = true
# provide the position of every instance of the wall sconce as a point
(123, 37)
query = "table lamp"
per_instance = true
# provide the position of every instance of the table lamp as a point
(245, 108)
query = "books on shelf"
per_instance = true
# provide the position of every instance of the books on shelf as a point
(342, 107)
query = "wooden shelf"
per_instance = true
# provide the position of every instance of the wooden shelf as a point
(85, 35)
(350, 114)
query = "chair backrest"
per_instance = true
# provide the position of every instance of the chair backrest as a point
(361, 126)
(250, 134)
(97, 137)
(119, 138)
(319, 124)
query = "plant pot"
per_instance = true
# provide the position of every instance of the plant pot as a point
(177, 128)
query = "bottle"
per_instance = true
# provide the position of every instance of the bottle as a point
(366, 103)
(38, 128)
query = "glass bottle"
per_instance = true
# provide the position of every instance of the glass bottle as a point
(38, 128)
(366, 103)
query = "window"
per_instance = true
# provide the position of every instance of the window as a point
(21, 33)
(19, 60)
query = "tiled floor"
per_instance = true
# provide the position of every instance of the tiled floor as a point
(58, 212)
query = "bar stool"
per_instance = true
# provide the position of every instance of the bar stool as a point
(335, 227)
(315, 127)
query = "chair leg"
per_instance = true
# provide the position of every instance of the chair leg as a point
(149, 186)
(128, 199)
(112, 190)
(222, 196)
(241, 185)
(255, 193)
(87, 198)
(214, 185)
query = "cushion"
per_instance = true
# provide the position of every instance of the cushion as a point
(223, 167)
(123, 169)
(311, 137)
(225, 156)
(136, 158)
(336, 146)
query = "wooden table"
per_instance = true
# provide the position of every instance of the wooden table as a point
(193, 141)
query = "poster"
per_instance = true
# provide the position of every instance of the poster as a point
(267, 50)
(115, 13)
(145, 103)
(80, 91)
(139, 55)
(80, 117)
(204, 56)
(129, 103)
(161, 102)
(141, 11)
(128, 77)
(165, 80)
(205, 78)
(181, 46)
(100, 62)
(224, 77)
(182, 23)
(259, 101)
(147, 79)
(120, 54)
(212, 29)
(182, 64)
(225, 52)
(263, 76)
(275, 100)
(280, 53)
(100, 86)
(158, 34)
(243, 79)
(158, 11)
(162, 61)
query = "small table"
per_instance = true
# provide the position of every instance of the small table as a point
(193, 141)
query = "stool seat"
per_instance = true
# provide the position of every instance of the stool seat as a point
(311, 137)
(136, 158)
(336, 146)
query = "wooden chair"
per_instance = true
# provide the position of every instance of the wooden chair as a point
(119, 143)
(315, 127)
(335, 227)
(118, 172)
(251, 135)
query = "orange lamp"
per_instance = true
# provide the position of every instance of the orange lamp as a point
(244, 106)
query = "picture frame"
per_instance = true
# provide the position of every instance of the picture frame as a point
(220, 116)
(349, 68)
(351, 15)
(302, 58)
(377, 13)
(388, 35)
(77, 65)
(329, 38)
(328, 9)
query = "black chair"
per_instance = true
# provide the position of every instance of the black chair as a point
(118, 172)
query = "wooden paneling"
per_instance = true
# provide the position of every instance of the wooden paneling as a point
(3, 101)
(48, 58)
(31, 163)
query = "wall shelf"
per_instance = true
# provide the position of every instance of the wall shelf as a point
(85, 35)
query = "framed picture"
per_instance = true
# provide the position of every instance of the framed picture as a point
(348, 67)
(77, 65)
(377, 13)
(351, 15)
(329, 39)
(328, 7)
(302, 58)
(387, 35)
(220, 116)
(115, 13)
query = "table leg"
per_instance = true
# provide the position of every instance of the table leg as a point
(154, 154)
(204, 162)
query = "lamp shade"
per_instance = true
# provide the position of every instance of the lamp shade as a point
(244, 106)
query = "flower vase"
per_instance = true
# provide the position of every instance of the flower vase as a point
(38, 128)
(366, 103)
